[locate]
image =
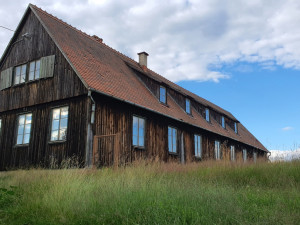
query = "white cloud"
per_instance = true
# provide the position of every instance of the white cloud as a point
(287, 128)
(186, 40)
(281, 155)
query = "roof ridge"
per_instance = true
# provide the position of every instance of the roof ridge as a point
(81, 32)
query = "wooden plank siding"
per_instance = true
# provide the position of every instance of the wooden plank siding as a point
(64, 84)
(40, 151)
(113, 118)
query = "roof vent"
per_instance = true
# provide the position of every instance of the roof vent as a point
(100, 40)
(143, 58)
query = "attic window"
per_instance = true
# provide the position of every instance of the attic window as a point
(188, 106)
(223, 121)
(20, 74)
(235, 128)
(207, 114)
(34, 70)
(162, 95)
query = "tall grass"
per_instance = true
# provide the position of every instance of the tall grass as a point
(154, 193)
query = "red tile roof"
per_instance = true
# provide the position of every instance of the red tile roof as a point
(106, 70)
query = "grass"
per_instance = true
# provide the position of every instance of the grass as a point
(205, 193)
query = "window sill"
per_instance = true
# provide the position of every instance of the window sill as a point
(164, 104)
(173, 153)
(138, 147)
(21, 145)
(57, 142)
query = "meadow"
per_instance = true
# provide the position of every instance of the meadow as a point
(154, 193)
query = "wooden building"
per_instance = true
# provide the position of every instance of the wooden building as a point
(66, 94)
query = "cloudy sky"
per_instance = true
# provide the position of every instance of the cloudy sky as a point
(242, 55)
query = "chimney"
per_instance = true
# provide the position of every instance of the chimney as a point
(100, 40)
(143, 58)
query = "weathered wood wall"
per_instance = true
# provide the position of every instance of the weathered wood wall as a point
(64, 84)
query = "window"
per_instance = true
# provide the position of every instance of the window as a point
(138, 131)
(232, 153)
(20, 74)
(198, 146)
(34, 70)
(59, 124)
(188, 106)
(223, 121)
(235, 127)
(207, 114)
(0, 125)
(254, 157)
(24, 128)
(244, 155)
(172, 139)
(162, 95)
(217, 150)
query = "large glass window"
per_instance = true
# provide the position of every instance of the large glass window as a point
(34, 70)
(172, 139)
(217, 150)
(188, 106)
(232, 153)
(59, 123)
(138, 131)
(162, 94)
(207, 114)
(20, 74)
(198, 145)
(24, 128)
(244, 155)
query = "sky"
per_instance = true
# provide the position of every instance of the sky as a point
(241, 55)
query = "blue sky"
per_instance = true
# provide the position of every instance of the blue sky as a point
(241, 55)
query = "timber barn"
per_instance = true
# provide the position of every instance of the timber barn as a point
(66, 94)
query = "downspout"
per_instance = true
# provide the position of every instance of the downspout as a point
(90, 116)
(182, 149)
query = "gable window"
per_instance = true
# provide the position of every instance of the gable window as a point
(162, 94)
(244, 155)
(188, 106)
(198, 145)
(217, 150)
(34, 70)
(172, 139)
(232, 153)
(207, 114)
(138, 131)
(223, 121)
(20, 74)
(254, 157)
(59, 124)
(24, 128)
(235, 128)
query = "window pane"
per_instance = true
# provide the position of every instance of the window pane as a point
(55, 125)
(18, 71)
(56, 113)
(26, 138)
(37, 74)
(141, 140)
(20, 139)
(17, 79)
(27, 128)
(31, 75)
(64, 123)
(28, 118)
(31, 67)
(64, 112)
(62, 134)
(170, 143)
(162, 96)
(54, 135)
(21, 129)
(37, 65)
(174, 144)
(134, 140)
(23, 77)
(23, 69)
(22, 120)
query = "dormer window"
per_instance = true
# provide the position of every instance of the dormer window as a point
(34, 70)
(235, 128)
(162, 95)
(188, 106)
(207, 114)
(223, 121)
(20, 74)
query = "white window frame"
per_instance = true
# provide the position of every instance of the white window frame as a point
(24, 129)
(20, 74)
(217, 150)
(140, 131)
(207, 116)
(254, 157)
(198, 145)
(62, 129)
(223, 123)
(188, 106)
(36, 71)
(163, 96)
(232, 153)
(244, 155)
(172, 139)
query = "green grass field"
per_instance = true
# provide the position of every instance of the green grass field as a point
(203, 193)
